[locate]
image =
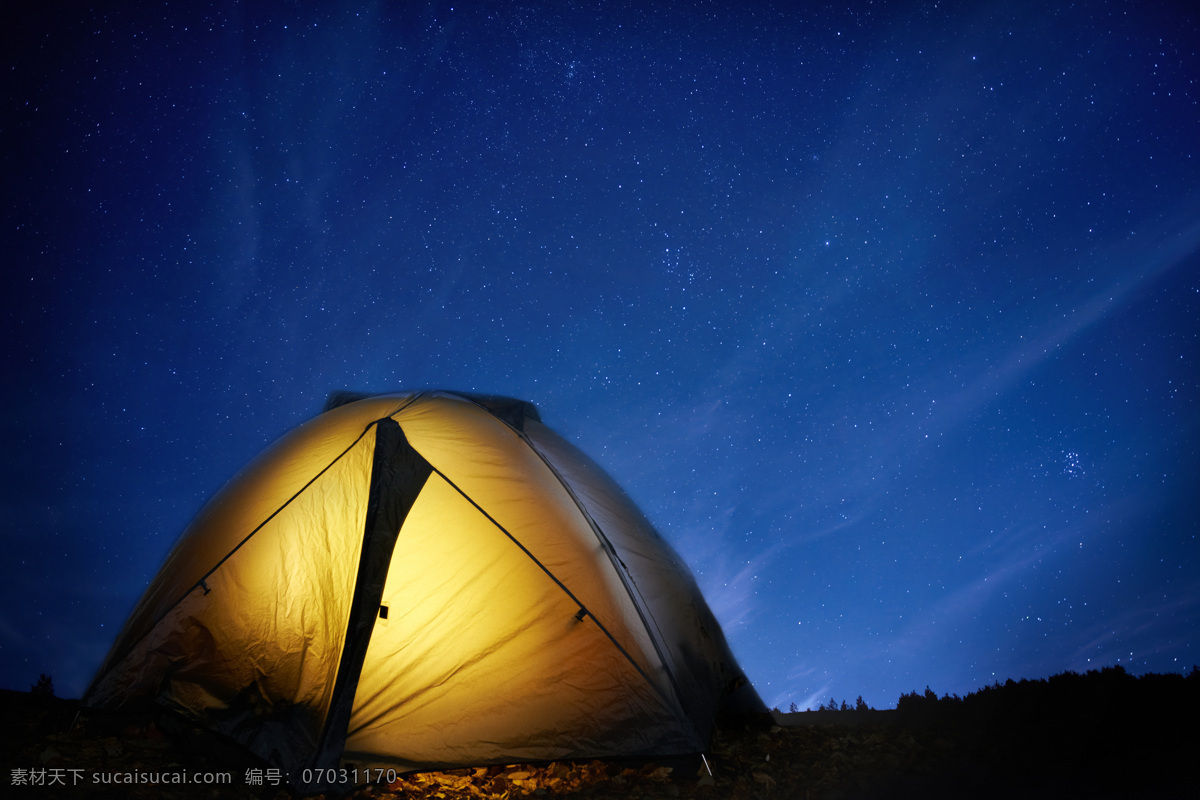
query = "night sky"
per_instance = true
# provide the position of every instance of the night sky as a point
(887, 315)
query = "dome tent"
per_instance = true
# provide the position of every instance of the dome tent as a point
(426, 580)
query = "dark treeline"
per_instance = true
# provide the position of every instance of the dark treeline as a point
(1105, 733)
(1109, 693)
(1111, 690)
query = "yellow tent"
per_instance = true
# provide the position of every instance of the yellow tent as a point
(426, 580)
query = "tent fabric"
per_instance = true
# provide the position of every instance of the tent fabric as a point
(426, 580)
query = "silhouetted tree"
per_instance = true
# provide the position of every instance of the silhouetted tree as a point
(44, 686)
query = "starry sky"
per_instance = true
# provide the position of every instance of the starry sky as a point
(886, 314)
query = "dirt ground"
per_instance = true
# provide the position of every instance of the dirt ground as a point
(50, 753)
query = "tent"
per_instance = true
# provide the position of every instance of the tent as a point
(420, 581)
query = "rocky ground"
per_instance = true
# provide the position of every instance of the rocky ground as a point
(1014, 745)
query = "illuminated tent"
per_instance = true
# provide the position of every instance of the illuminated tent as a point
(426, 580)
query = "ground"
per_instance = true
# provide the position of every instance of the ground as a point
(1005, 747)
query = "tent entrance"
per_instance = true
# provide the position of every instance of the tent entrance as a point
(398, 473)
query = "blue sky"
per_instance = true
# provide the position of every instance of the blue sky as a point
(886, 316)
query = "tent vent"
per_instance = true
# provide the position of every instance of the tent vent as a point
(508, 410)
(342, 397)
(383, 612)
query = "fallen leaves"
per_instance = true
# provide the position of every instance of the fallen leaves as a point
(521, 780)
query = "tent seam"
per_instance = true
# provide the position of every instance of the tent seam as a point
(619, 566)
(631, 587)
(582, 607)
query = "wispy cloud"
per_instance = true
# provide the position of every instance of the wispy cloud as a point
(731, 588)
(1135, 633)
(1044, 342)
